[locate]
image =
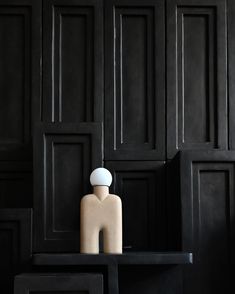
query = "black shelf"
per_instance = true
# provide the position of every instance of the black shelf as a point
(138, 258)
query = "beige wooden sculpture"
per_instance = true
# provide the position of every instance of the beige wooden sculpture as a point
(101, 211)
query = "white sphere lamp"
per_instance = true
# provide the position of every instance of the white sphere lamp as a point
(101, 177)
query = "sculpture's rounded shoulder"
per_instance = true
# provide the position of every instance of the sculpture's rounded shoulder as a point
(88, 198)
(115, 198)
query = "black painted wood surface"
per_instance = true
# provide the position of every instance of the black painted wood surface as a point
(116, 264)
(57, 283)
(64, 157)
(20, 27)
(138, 258)
(196, 75)
(124, 84)
(206, 185)
(134, 80)
(16, 246)
(72, 61)
(141, 187)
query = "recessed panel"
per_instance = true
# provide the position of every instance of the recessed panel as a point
(16, 189)
(9, 254)
(196, 94)
(14, 75)
(137, 217)
(68, 183)
(196, 76)
(213, 190)
(207, 197)
(134, 78)
(73, 64)
(67, 166)
(65, 155)
(6, 241)
(214, 201)
(15, 244)
(135, 81)
(139, 184)
(133, 63)
(72, 61)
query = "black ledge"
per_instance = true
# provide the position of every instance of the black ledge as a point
(138, 258)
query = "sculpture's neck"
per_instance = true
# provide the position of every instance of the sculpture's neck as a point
(101, 192)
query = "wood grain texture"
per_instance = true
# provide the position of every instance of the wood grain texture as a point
(134, 80)
(207, 190)
(64, 158)
(16, 184)
(231, 72)
(196, 76)
(59, 283)
(139, 184)
(19, 74)
(73, 66)
(53, 58)
(15, 240)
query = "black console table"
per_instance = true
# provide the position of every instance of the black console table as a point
(112, 261)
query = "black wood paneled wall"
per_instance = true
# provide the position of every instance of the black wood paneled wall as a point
(196, 75)
(142, 87)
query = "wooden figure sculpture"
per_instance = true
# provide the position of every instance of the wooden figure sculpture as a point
(101, 211)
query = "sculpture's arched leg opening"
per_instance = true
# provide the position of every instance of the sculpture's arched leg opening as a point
(101, 241)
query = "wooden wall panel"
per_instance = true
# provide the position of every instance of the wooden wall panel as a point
(140, 186)
(19, 72)
(73, 61)
(134, 80)
(196, 75)
(207, 191)
(59, 283)
(15, 126)
(64, 158)
(16, 184)
(231, 72)
(15, 240)
(68, 142)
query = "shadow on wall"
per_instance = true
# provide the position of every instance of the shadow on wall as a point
(150, 279)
